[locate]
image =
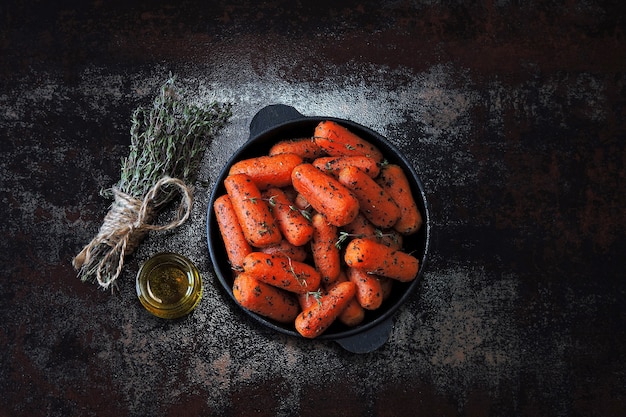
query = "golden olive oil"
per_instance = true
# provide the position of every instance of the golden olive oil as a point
(169, 285)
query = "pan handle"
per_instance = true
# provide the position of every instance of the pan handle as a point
(369, 340)
(271, 116)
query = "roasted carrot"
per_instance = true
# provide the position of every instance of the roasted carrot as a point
(353, 314)
(253, 213)
(290, 192)
(325, 194)
(314, 321)
(282, 272)
(301, 202)
(386, 285)
(389, 237)
(307, 299)
(305, 148)
(369, 292)
(379, 259)
(361, 227)
(294, 227)
(333, 164)
(265, 299)
(326, 256)
(337, 140)
(237, 247)
(394, 181)
(296, 253)
(375, 203)
(268, 171)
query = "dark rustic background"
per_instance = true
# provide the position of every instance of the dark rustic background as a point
(511, 112)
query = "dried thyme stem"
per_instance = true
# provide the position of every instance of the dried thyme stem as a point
(168, 141)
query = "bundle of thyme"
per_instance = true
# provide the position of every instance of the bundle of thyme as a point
(168, 141)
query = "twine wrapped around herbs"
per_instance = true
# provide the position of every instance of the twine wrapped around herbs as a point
(167, 144)
(125, 226)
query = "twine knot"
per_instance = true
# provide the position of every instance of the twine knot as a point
(126, 224)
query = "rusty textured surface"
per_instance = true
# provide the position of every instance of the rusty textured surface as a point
(512, 113)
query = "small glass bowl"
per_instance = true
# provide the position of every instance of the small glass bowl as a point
(169, 285)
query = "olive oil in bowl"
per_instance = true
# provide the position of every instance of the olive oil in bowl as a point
(169, 285)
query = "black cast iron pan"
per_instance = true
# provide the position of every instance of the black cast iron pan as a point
(277, 122)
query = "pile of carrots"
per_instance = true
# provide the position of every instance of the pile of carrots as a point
(313, 230)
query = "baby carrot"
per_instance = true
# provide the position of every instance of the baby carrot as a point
(265, 299)
(369, 292)
(307, 299)
(326, 257)
(361, 227)
(301, 203)
(325, 194)
(294, 227)
(268, 171)
(337, 140)
(305, 148)
(394, 181)
(353, 314)
(375, 203)
(333, 164)
(387, 285)
(290, 192)
(282, 272)
(379, 259)
(296, 253)
(253, 213)
(237, 247)
(314, 321)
